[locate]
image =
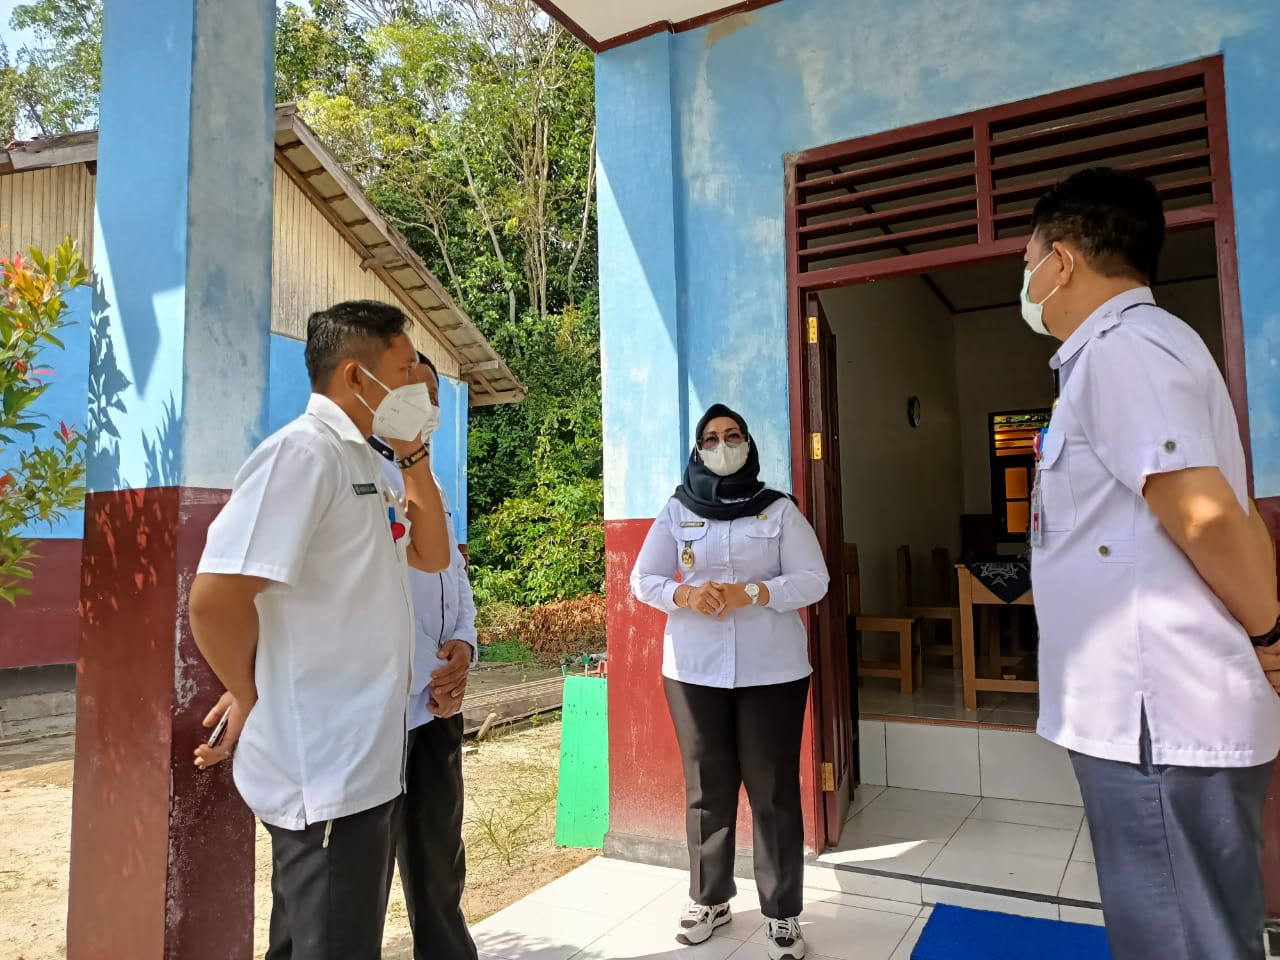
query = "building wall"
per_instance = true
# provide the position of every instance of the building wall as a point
(42, 207)
(312, 268)
(693, 130)
(900, 484)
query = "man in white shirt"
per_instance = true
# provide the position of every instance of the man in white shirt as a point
(1152, 572)
(302, 608)
(429, 847)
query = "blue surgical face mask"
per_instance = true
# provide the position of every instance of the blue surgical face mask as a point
(1033, 313)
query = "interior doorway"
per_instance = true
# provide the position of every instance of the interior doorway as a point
(939, 385)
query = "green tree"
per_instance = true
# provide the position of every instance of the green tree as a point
(51, 85)
(42, 478)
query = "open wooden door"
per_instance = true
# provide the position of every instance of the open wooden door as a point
(833, 694)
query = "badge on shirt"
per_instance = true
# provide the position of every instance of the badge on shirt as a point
(1035, 529)
(693, 523)
(364, 489)
(686, 555)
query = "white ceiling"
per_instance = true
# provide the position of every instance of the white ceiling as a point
(603, 20)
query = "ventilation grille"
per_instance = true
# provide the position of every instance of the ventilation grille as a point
(973, 180)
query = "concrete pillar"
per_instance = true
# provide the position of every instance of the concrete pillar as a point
(162, 855)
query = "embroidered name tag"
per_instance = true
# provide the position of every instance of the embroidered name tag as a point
(364, 489)
(693, 523)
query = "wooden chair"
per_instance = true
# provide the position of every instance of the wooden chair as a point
(946, 605)
(908, 669)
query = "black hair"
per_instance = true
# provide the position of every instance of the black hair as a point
(352, 330)
(424, 359)
(1115, 218)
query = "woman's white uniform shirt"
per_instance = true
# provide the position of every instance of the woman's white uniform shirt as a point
(754, 645)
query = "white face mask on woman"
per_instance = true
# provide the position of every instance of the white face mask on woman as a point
(401, 414)
(724, 460)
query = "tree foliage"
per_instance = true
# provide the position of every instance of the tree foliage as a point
(43, 467)
(50, 86)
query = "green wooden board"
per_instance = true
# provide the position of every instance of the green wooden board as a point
(582, 807)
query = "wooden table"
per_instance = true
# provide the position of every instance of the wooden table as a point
(973, 593)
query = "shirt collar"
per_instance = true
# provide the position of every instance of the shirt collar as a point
(333, 416)
(1099, 322)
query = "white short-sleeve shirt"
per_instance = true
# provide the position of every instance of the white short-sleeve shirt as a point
(755, 645)
(1126, 622)
(335, 643)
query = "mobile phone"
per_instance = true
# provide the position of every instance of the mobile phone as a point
(219, 730)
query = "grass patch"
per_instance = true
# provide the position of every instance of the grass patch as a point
(507, 651)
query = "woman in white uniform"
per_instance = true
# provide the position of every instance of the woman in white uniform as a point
(736, 670)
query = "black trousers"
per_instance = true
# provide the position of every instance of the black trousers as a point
(1179, 855)
(433, 866)
(727, 738)
(329, 902)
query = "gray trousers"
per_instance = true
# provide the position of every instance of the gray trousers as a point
(729, 738)
(1179, 855)
(329, 900)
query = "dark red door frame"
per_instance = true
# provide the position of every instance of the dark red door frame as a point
(1219, 214)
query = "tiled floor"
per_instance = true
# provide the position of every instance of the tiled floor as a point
(614, 910)
(1009, 848)
(941, 697)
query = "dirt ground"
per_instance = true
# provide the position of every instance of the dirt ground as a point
(510, 826)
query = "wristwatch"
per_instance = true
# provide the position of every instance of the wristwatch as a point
(752, 590)
(1268, 639)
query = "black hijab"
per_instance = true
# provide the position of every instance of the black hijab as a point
(705, 493)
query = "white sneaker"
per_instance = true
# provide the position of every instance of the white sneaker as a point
(786, 942)
(699, 922)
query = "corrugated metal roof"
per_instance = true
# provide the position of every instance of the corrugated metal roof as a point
(382, 248)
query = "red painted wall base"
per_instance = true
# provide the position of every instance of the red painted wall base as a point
(161, 854)
(44, 627)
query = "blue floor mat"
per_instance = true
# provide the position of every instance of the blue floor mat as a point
(957, 933)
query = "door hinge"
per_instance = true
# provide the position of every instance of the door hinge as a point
(815, 446)
(828, 778)
(813, 329)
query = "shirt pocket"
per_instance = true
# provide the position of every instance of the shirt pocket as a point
(762, 548)
(1058, 502)
(692, 546)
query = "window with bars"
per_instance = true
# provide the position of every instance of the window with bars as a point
(965, 187)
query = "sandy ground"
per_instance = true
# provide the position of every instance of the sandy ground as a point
(510, 826)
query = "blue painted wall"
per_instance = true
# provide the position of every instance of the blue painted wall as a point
(693, 130)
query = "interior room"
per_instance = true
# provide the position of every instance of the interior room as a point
(941, 389)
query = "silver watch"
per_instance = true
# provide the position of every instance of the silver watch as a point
(752, 591)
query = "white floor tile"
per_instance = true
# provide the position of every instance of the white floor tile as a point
(863, 795)
(993, 835)
(1084, 846)
(922, 756)
(850, 933)
(866, 903)
(1024, 766)
(538, 931)
(611, 892)
(758, 951)
(871, 752)
(927, 801)
(1056, 815)
(861, 884)
(908, 943)
(882, 821)
(634, 866)
(1008, 871)
(890, 854)
(1080, 915)
(634, 939)
(976, 900)
(1081, 883)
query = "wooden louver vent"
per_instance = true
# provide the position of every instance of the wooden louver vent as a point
(972, 181)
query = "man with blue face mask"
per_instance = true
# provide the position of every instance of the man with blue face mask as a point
(429, 845)
(1155, 586)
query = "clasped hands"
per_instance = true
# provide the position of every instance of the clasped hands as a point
(716, 599)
